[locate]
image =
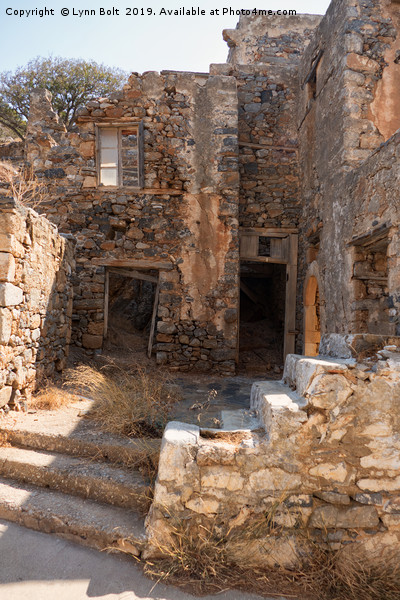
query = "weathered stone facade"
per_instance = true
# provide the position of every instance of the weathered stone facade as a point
(35, 299)
(348, 112)
(322, 464)
(211, 179)
(183, 222)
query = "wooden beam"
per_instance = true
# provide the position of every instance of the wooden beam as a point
(290, 298)
(133, 263)
(106, 301)
(265, 147)
(134, 275)
(313, 69)
(248, 292)
(253, 297)
(153, 320)
(371, 236)
(268, 231)
(265, 259)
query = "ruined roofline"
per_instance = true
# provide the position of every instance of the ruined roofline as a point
(278, 23)
(174, 72)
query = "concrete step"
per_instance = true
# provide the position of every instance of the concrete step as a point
(69, 431)
(239, 420)
(300, 370)
(90, 523)
(274, 402)
(78, 476)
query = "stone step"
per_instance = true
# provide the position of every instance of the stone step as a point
(300, 370)
(78, 476)
(131, 453)
(69, 431)
(90, 523)
(239, 420)
(274, 403)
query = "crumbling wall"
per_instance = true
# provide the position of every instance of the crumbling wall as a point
(272, 39)
(268, 162)
(264, 57)
(35, 299)
(183, 222)
(340, 78)
(13, 152)
(323, 465)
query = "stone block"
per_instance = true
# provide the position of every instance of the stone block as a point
(362, 64)
(333, 497)
(96, 327)
(332, 517)
(203, 505)
(5, 325)
(176, 453)
(92, 341)
(273, 479)
(7, 267)
(374, 498)
(331, 472)
(166, 327)
(5, 395)
(10, 295)
(379, 485)
(222, 478)
(89, 182)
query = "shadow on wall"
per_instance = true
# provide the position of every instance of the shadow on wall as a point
(36, 264)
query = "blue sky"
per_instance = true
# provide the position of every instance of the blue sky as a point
(134, 43)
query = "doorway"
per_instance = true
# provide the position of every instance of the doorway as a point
(262, 317)
(131, 306)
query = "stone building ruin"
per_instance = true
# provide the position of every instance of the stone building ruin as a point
(257, 201)
(242, 193)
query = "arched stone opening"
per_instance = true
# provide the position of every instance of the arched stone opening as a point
(312, 317)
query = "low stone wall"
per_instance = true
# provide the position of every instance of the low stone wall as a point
(323, 464)
(35, 299)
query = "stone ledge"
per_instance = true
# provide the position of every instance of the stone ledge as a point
(277, 406)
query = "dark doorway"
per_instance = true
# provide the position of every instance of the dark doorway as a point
(130, 309)
(262, 317)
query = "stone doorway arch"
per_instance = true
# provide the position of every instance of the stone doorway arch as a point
(312, 312)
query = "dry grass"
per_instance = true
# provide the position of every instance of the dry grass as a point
(22, 185)
(52, 397)
(346, 574)
(199, 560)
(130, 402)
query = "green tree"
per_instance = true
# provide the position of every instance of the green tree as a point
(71, 81)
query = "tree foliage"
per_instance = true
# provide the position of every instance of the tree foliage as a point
(72, 83)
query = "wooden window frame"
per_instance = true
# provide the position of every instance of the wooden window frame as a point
(134, 125)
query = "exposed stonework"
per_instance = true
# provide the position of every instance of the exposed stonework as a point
(35, 299)
(184, 222)
(325, 458)
(349, 179)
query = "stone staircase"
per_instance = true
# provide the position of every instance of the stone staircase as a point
(60, 475)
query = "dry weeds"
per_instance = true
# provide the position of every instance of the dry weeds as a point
(22, 185)
(52, 397)
(130, 402)
(199, 560)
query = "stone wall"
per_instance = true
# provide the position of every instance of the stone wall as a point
(273, 39)
(35, 300)
(323, 464)
(345, 73)
(268, 145)
(13, 152)
(183, 222)
(264, 58)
